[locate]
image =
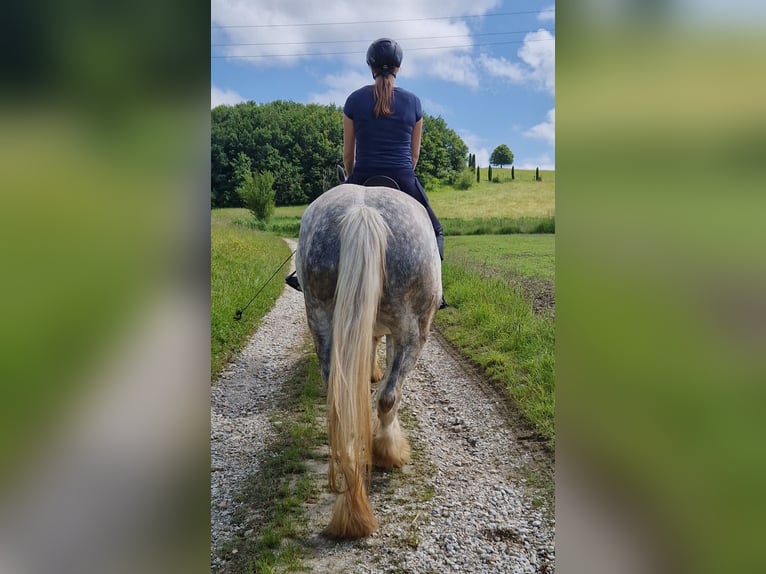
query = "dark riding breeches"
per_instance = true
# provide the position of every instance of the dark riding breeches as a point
(409, 184)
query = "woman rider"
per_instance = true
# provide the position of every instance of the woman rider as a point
(382, 128)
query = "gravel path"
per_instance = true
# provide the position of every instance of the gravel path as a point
(477, 496)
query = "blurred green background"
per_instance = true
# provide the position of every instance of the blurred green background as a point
(660, 277)
(104, 154)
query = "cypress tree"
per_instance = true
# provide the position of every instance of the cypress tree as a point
(513, 176)
(477, 175)
(489, 173)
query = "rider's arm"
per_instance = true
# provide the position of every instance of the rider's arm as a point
(349, 144)
(417, 132)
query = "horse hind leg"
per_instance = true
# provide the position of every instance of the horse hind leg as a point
(390, 447)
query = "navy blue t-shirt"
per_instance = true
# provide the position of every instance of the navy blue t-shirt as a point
(384, 142)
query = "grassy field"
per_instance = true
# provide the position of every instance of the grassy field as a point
(241, 261)
(492, 282)
(521, 197)
(519, 206)
(509, 255)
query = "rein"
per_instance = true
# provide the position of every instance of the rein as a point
(238, 313)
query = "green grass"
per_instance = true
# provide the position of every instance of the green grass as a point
(490, 281)
(518, 206)
(520, 255)
(515, 199)
(241, 261)
(498, 225)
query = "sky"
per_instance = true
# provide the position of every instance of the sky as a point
(485, 66)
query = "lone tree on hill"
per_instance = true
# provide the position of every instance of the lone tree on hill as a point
(501, 155)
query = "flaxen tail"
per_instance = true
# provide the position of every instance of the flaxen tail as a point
(361, 273)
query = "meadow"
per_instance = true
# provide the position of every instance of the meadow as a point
(241, 262)
(492, 281)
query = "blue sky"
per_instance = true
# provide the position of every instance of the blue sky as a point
(485, 66)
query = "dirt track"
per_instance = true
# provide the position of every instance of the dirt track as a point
(477, 496)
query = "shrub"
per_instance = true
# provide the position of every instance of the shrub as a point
(465, 179)
(257, 193)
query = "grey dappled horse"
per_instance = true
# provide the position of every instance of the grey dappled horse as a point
(369, 266)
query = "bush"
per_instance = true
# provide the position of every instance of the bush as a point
(257, 193)
(465, 179)
(429, 182)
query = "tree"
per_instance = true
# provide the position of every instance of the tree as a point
(513, 175)
(501, 156)
(257, 193)
(489, 173)
(442, 152)
(478, 175)
(300, 144)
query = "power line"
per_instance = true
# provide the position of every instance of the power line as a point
(357, 52)
(383, 21)
(365, 41)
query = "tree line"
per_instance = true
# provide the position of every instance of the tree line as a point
(300, 146)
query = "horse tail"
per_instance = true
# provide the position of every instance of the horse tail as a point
(361, 274)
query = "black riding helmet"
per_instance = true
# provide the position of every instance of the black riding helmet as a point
(384, 54)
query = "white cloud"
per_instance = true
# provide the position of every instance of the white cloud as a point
(539, 53)
(339, 87)
(539, 56)
(434, 108)
(548, 14)
(450, 66)
(271, 42)
(546, 130)
(476, 146)
(542, 161)
(503, 68)
(227, 97)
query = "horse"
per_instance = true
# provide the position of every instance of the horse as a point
(369, 266)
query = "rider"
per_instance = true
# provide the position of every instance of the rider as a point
(382, 128)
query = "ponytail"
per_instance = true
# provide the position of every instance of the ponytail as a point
(384, 94)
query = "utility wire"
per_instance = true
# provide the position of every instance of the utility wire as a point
(462, 17)
(366, 41)
(357, 51)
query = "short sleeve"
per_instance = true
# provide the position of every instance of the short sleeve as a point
(348, 108)
(418, 109)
